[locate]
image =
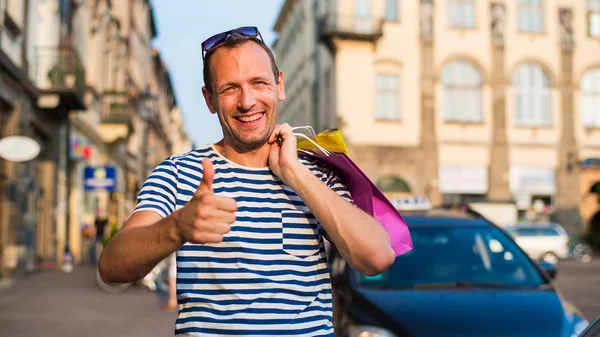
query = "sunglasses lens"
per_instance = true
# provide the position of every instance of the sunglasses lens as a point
(247, 31)
(213, 40)
(216, 40)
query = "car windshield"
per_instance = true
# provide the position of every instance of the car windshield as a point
(444, 255)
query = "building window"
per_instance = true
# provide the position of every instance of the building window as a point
(363, 21)
(590, 99)
(593, 18)
(530, 16)
(531, 88)
(461, 13)
(387, 97)
(391, 10)
(462, 92)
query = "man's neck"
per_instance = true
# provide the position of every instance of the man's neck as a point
(258, 158)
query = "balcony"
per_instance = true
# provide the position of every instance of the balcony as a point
(60, 77)
(116, 116)
(116, 108)
(351, 27)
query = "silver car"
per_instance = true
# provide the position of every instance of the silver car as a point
(548, 242)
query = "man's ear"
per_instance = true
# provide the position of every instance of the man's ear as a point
(209, 100)
(281, 87)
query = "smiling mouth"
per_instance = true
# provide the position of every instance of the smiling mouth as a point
(251, 118)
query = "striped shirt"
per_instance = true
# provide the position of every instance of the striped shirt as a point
(269, 276)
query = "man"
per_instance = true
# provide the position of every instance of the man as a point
(246, 215)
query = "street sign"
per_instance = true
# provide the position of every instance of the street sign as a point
(100, 178)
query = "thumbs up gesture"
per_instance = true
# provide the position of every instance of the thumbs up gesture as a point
(206, 217)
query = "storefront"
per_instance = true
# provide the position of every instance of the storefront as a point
(533, 188)
(28, 204)
(463, 184)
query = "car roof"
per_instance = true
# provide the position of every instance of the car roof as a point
(443, 217)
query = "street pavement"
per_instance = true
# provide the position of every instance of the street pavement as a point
(580, 284)
(54, 304)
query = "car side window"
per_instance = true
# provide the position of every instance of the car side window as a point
(548, 232)
(527, 232)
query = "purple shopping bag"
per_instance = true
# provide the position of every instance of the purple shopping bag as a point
(368, 198)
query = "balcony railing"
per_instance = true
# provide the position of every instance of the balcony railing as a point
(116, 108)
(59, 70)
(351, 27)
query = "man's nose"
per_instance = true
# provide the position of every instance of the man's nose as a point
(247, 99)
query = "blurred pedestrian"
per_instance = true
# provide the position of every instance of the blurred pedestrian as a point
(246, 215)
(100, 223)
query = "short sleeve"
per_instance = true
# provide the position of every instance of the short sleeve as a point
(330, 177)
(159, 192)
(337, 184)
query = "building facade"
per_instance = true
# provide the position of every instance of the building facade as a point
(80, 78)
(465, 100)
(18, 116)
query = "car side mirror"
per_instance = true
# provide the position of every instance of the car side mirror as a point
(550, 268)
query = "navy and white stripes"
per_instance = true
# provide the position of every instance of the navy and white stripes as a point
(268, 277)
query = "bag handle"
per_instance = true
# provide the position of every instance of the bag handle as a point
(309, 128)
(326, 152)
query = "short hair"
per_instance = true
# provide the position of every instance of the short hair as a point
(232, 41)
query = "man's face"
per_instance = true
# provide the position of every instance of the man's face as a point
(245, 94)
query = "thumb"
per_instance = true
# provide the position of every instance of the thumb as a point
(207, 176)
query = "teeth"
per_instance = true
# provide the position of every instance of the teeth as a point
(249, 118)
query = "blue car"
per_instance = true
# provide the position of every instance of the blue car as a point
(464, 277)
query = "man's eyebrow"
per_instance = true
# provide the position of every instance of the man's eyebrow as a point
(265, 78)
(261, 78)
(227, 84)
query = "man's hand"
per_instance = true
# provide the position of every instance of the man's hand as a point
(206, 217)
(283, 158)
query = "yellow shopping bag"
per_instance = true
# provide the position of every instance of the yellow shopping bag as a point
(330, 139)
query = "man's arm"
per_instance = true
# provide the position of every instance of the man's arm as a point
(360, 238)
(143, 241)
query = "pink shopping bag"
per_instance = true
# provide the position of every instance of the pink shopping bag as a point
(368, 197)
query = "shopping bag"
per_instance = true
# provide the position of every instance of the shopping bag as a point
(365, 194)
(330, 139)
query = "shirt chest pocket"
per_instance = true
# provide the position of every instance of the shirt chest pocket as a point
(300, 233)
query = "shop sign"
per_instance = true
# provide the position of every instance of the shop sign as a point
(532, 181)
(80, 148)
(463, 179)
(100, 178)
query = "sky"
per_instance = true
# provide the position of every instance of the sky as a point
(182, 26)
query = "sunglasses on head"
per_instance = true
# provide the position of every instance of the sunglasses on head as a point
(217, 40)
